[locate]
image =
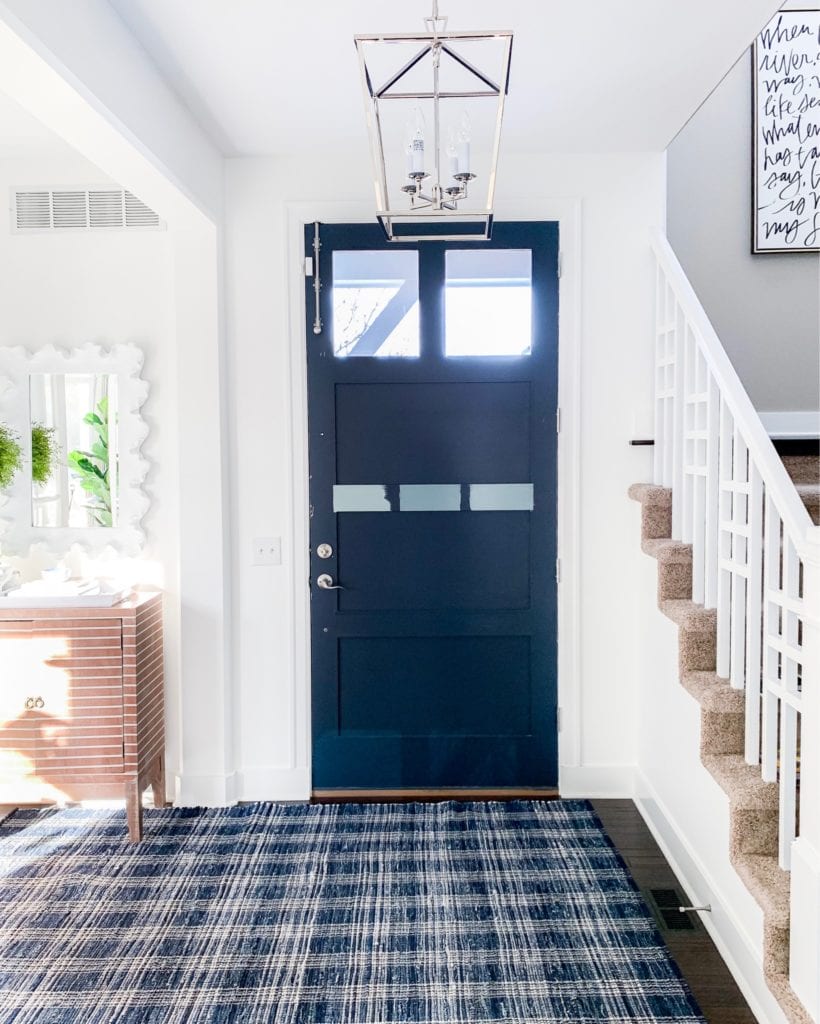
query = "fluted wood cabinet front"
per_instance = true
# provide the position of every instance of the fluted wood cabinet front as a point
(82, 704)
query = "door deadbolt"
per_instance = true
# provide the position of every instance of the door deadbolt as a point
(324, 551)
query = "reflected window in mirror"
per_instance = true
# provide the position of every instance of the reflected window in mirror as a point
(74, 457)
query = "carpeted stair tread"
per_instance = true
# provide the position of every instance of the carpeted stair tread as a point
(667, 550)
(789, 1003)
(768, 883)
(651, 494)
(810, 496)
(690, 616)
(803, 469)
(713, 693)
(805, 472)
(741, 782)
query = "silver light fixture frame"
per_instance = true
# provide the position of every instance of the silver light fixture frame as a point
(439, 206)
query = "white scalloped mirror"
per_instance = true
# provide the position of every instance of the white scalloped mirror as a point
(76, 417)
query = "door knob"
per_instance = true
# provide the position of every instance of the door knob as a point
(325, 582)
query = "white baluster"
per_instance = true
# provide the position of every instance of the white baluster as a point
(679, 400)
(740, 503)
(660, 379)
(771, 631)
(724, 545)
(754, 616)
(712, 456)
(687, 443)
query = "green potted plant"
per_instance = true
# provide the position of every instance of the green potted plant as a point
(93, 467)
(44, 452)
(11, 455)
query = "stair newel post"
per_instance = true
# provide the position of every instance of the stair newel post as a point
(805, 853)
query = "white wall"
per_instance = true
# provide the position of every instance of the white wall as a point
(764, 307)
(78, 70)
(103, 287)
(621, 197)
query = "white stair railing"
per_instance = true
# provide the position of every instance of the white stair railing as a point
(756, 552)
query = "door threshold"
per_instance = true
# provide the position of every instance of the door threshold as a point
(403, 796)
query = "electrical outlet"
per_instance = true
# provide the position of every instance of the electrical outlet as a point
(267, 551)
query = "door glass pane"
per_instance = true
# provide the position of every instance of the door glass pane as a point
(376, 303)
(360, 498)
(430, 497)
(488, 302)
(501, 497)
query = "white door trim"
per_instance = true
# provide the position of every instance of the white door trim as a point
(567, 212)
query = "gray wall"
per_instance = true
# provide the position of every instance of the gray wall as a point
(765, 308)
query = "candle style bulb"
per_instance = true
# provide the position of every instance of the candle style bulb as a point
(415, 144)
(452, 154)
(464, 135)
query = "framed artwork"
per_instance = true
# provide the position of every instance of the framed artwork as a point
(786, 134)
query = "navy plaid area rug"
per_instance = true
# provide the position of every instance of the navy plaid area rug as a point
(362, 914)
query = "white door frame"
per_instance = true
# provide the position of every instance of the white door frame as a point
(567, 212)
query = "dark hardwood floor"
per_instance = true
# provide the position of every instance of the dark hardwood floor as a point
(700, 963)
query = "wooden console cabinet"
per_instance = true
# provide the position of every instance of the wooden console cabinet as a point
(82, 712)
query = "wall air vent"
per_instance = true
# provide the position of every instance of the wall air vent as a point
(81, 209)
(665, 904)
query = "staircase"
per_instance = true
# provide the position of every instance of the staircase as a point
(738, 560)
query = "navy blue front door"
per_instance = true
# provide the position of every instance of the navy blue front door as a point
(432, 394)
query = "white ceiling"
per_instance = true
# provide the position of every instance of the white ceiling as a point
(268, 77)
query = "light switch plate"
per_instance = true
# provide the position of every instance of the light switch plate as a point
(267, 551)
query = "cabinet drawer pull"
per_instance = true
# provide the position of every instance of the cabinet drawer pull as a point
(39, 703)
(29, 703)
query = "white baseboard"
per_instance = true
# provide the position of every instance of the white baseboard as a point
(205, 790)
(265, 782)
(796, 424)
(733, 944)
(596, 780)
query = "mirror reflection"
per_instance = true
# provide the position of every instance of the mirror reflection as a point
(74, 451)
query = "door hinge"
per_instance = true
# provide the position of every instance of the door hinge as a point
(308, 266)
(560, 263)
(558, 719)
(558, 420)
(557, 570)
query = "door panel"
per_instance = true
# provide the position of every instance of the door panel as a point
(432, 483)
(393, 432)
(434, 686)
(437, 561)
